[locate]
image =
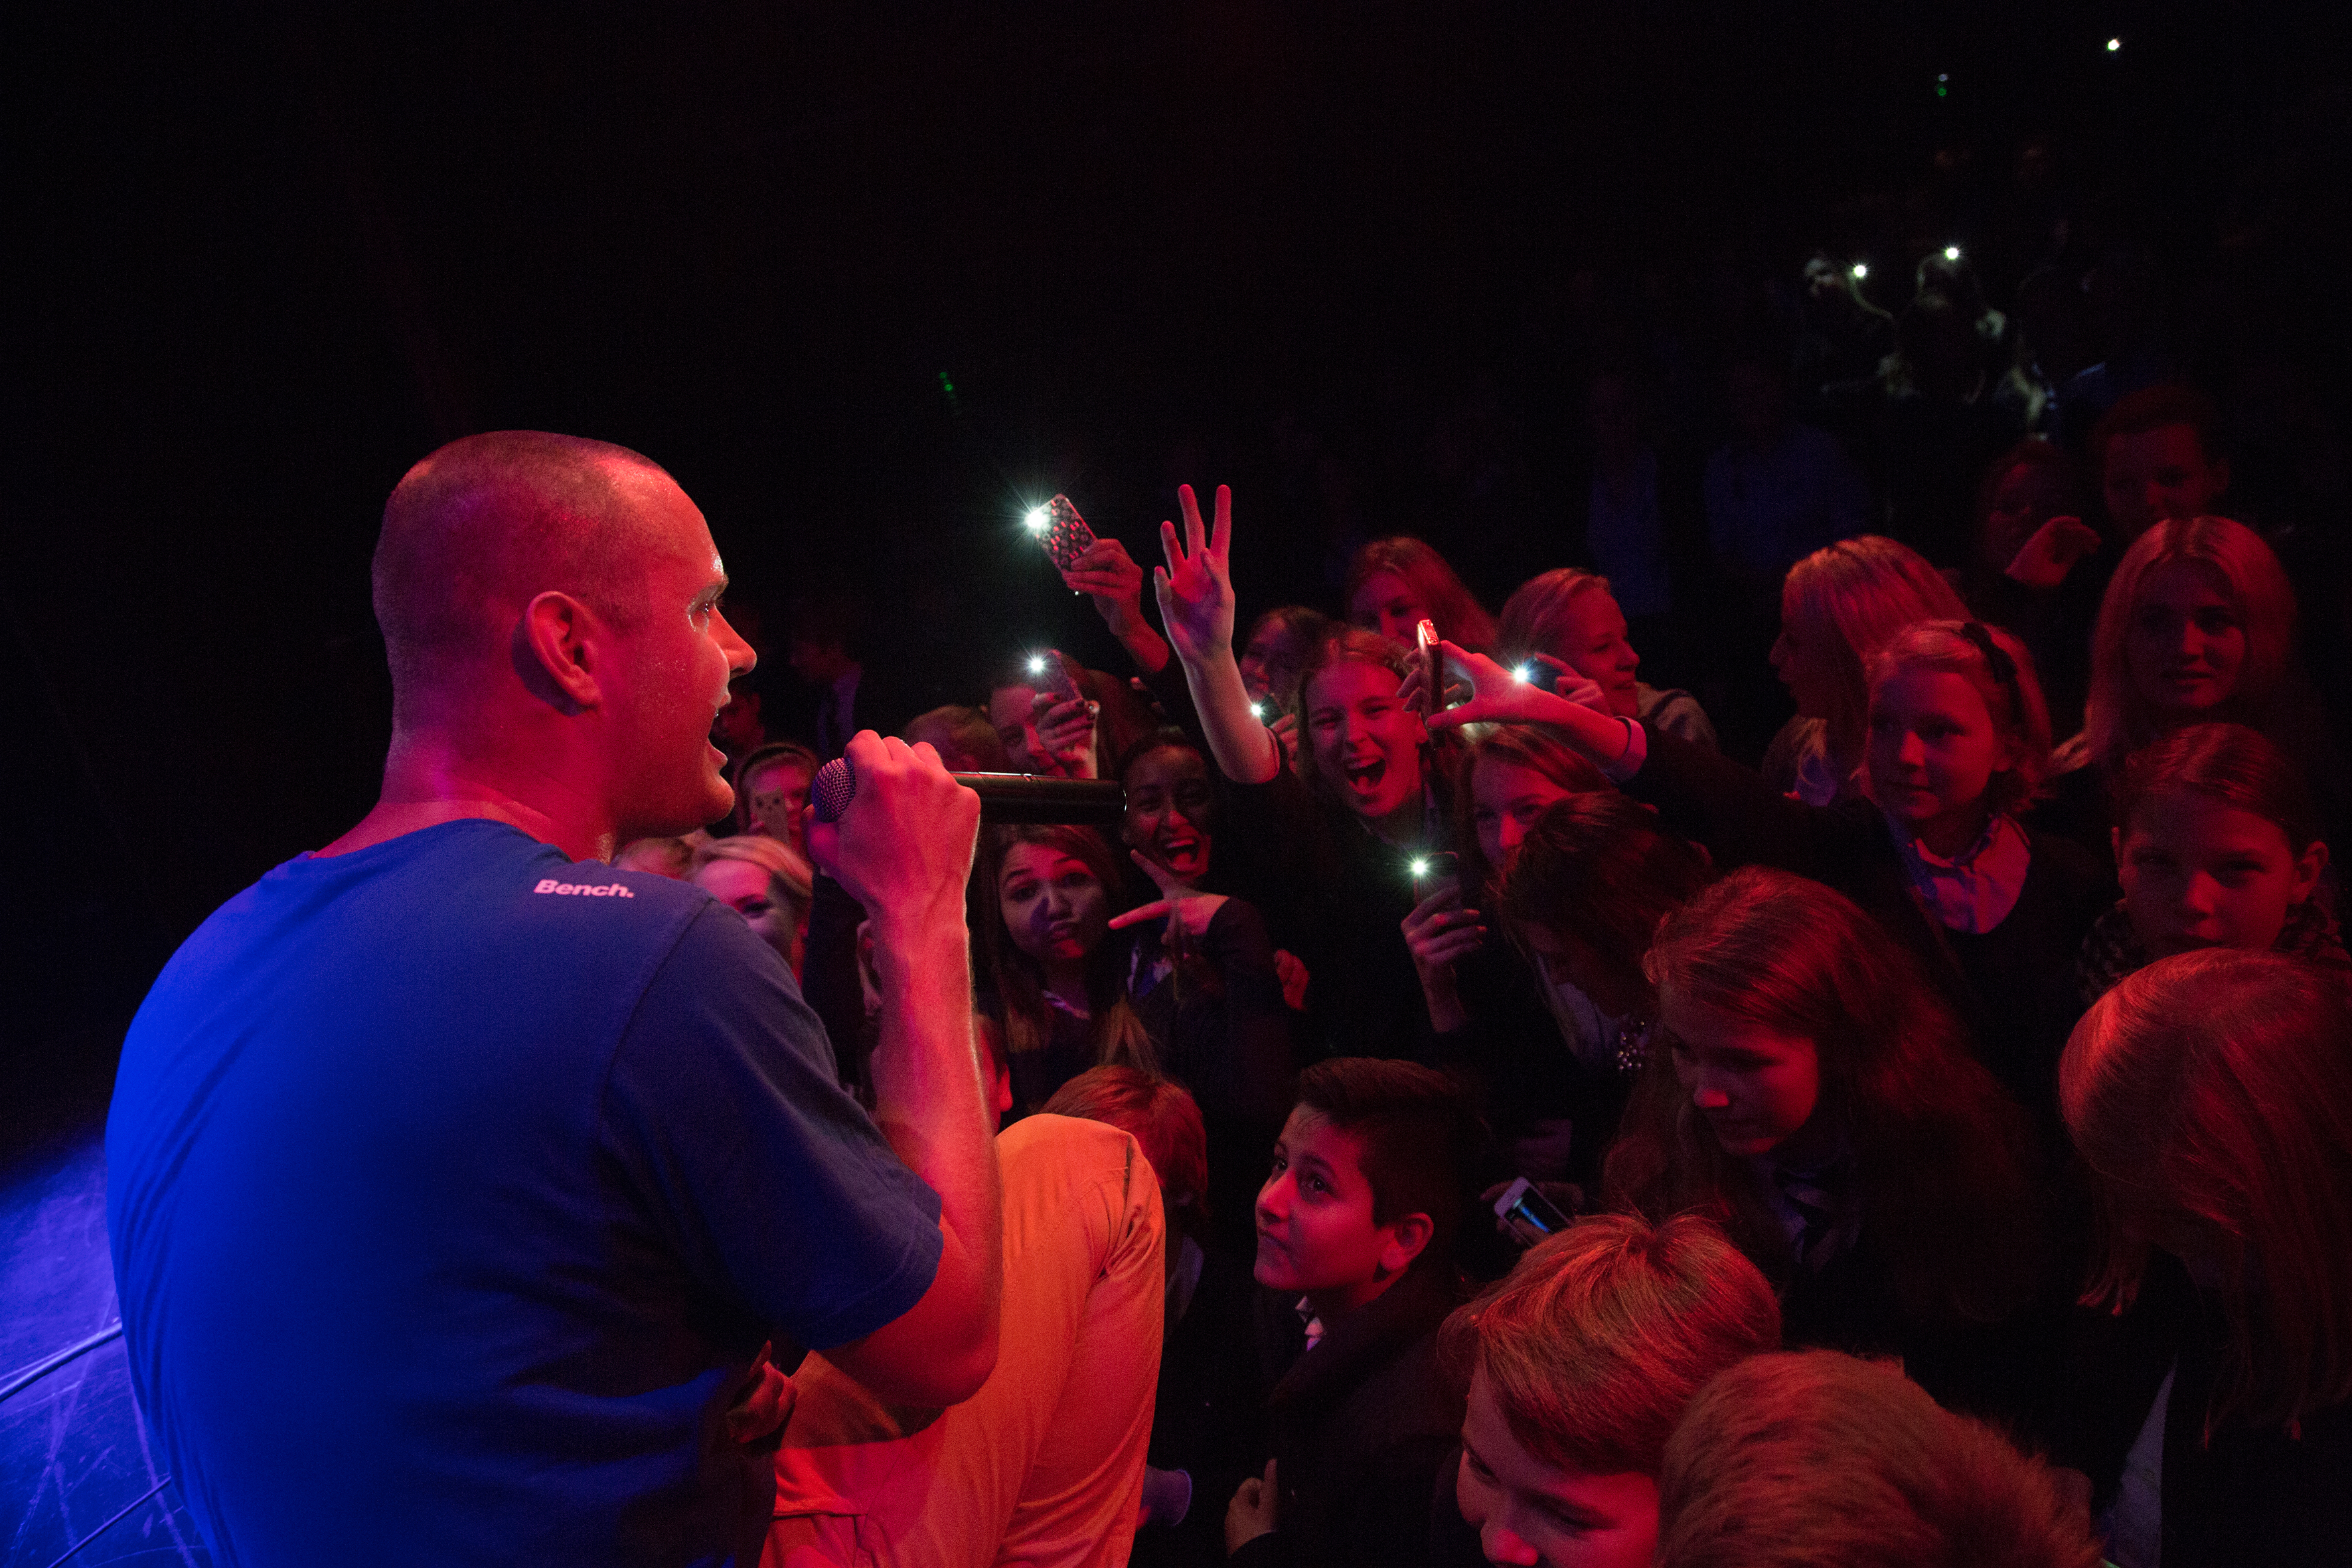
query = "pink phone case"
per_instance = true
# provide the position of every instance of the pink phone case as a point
(1067, 535)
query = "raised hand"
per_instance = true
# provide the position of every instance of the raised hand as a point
(2055, 549)
(1196, 587)
(1187, 910)
(1440, 932)
(1066, 729)
(903, 846)
(1108, 574)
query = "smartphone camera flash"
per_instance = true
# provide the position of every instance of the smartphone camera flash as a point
(1524, 674)
(1037, 664)
(1038, 519)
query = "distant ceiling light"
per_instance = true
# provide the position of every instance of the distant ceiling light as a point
(1860, 270)
(1951, 253)
(2113, 44)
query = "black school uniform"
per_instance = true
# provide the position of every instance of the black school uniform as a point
(1362, 1424)
(1337, 896)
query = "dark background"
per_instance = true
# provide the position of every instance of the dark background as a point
(869, 279)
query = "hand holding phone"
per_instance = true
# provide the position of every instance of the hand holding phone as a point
(1526, 1215)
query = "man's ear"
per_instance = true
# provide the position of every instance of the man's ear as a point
(555, 648)
(1407, 1239)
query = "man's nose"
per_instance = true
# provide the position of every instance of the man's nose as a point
(739, 656)
(1271, 1206)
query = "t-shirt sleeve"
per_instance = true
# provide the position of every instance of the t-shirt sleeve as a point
(725, 1114)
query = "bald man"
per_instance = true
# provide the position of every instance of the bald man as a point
(458, 1183)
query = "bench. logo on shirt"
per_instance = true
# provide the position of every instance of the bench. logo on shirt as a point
(584, 890)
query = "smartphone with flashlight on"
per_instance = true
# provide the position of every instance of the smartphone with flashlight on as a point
(1056, 674)
(1429, 870)
(1063, 533)
(1432, 663)
(1527, 1214)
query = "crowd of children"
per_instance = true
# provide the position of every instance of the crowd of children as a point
(1945, 1123)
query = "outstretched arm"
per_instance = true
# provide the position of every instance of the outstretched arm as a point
(1196, 606)
(1499, 697)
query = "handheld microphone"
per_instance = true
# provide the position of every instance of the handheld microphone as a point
(1003, 797)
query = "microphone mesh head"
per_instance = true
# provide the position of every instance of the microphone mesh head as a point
(834, 786)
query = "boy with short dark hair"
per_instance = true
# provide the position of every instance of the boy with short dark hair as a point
(1356, 1227)
(2158, 454)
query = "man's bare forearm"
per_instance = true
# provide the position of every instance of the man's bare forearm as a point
(931, 1095)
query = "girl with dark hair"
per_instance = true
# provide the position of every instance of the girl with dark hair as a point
(1197, 956)
(1367, 800)
(1958, 742)
(2210, 1097)
(1055, 981)
(1273, 660)
(2037, 567)
(2216, 845)
(1580, 898)
(1395, 584)
(1485, 1003)
(1070, 987)
(1820, 1102)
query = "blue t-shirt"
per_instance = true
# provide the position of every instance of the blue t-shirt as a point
(453, 1187)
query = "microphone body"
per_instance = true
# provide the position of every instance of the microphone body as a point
(1003, 797)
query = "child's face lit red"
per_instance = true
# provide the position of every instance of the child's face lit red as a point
(1933, 749)
(1506, 798)
(1054, 907)
(2196, 873)
(1757, 1088)
(1386, 603)
(1167, 802)
(1537, 1514)
(2186, 646)
(1591, 640)
(1315, 1229)
(1366, 742)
